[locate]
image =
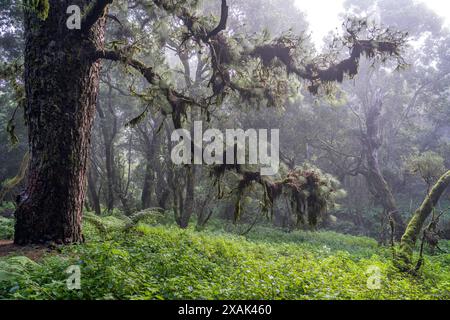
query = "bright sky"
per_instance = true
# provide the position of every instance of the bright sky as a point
(323, 14)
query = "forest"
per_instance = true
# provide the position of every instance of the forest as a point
(214, 150)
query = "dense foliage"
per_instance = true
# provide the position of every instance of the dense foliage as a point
(156, 260)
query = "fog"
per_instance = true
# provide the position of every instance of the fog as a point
(322, 22)
(250, 149)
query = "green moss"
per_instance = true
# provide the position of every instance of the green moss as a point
(40, 7)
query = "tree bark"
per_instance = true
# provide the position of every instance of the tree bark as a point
(61, 84)
(412, 233)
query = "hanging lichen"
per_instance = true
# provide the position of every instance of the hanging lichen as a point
(311, 192)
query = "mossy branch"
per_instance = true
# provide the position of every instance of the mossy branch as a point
(9, 184)
(378, 43)
(176, 100)
(404, 254)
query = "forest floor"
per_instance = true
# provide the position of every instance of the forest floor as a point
(35, 253)
(153, 259)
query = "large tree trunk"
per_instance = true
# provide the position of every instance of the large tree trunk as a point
(377, 184)
(61, 83)
(412, 233)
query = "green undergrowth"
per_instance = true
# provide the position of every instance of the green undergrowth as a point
(6, 228)
(150, 258)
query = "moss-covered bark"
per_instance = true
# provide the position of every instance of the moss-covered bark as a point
(61, 83)
(40, 7)
(409, 239)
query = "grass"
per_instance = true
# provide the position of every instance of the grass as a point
(155, 261)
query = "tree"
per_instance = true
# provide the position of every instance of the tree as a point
(61, 83)
(394, 127)
(405, 253)
(372, 143)
(12, 146)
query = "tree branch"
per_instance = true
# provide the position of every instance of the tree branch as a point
(223, 21)
(177, 100)
(409, 239)
(118, 56)
(96, 10)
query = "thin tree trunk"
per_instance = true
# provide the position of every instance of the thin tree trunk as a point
(189, 201)
(61, 84)
(146, 196)
(412, 233)
(95, 199)
(162, 190)
(151, 143)
(109, 134)
(123, 191)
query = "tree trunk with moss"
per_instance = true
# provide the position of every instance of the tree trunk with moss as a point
(61, 83)
(415, 226)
